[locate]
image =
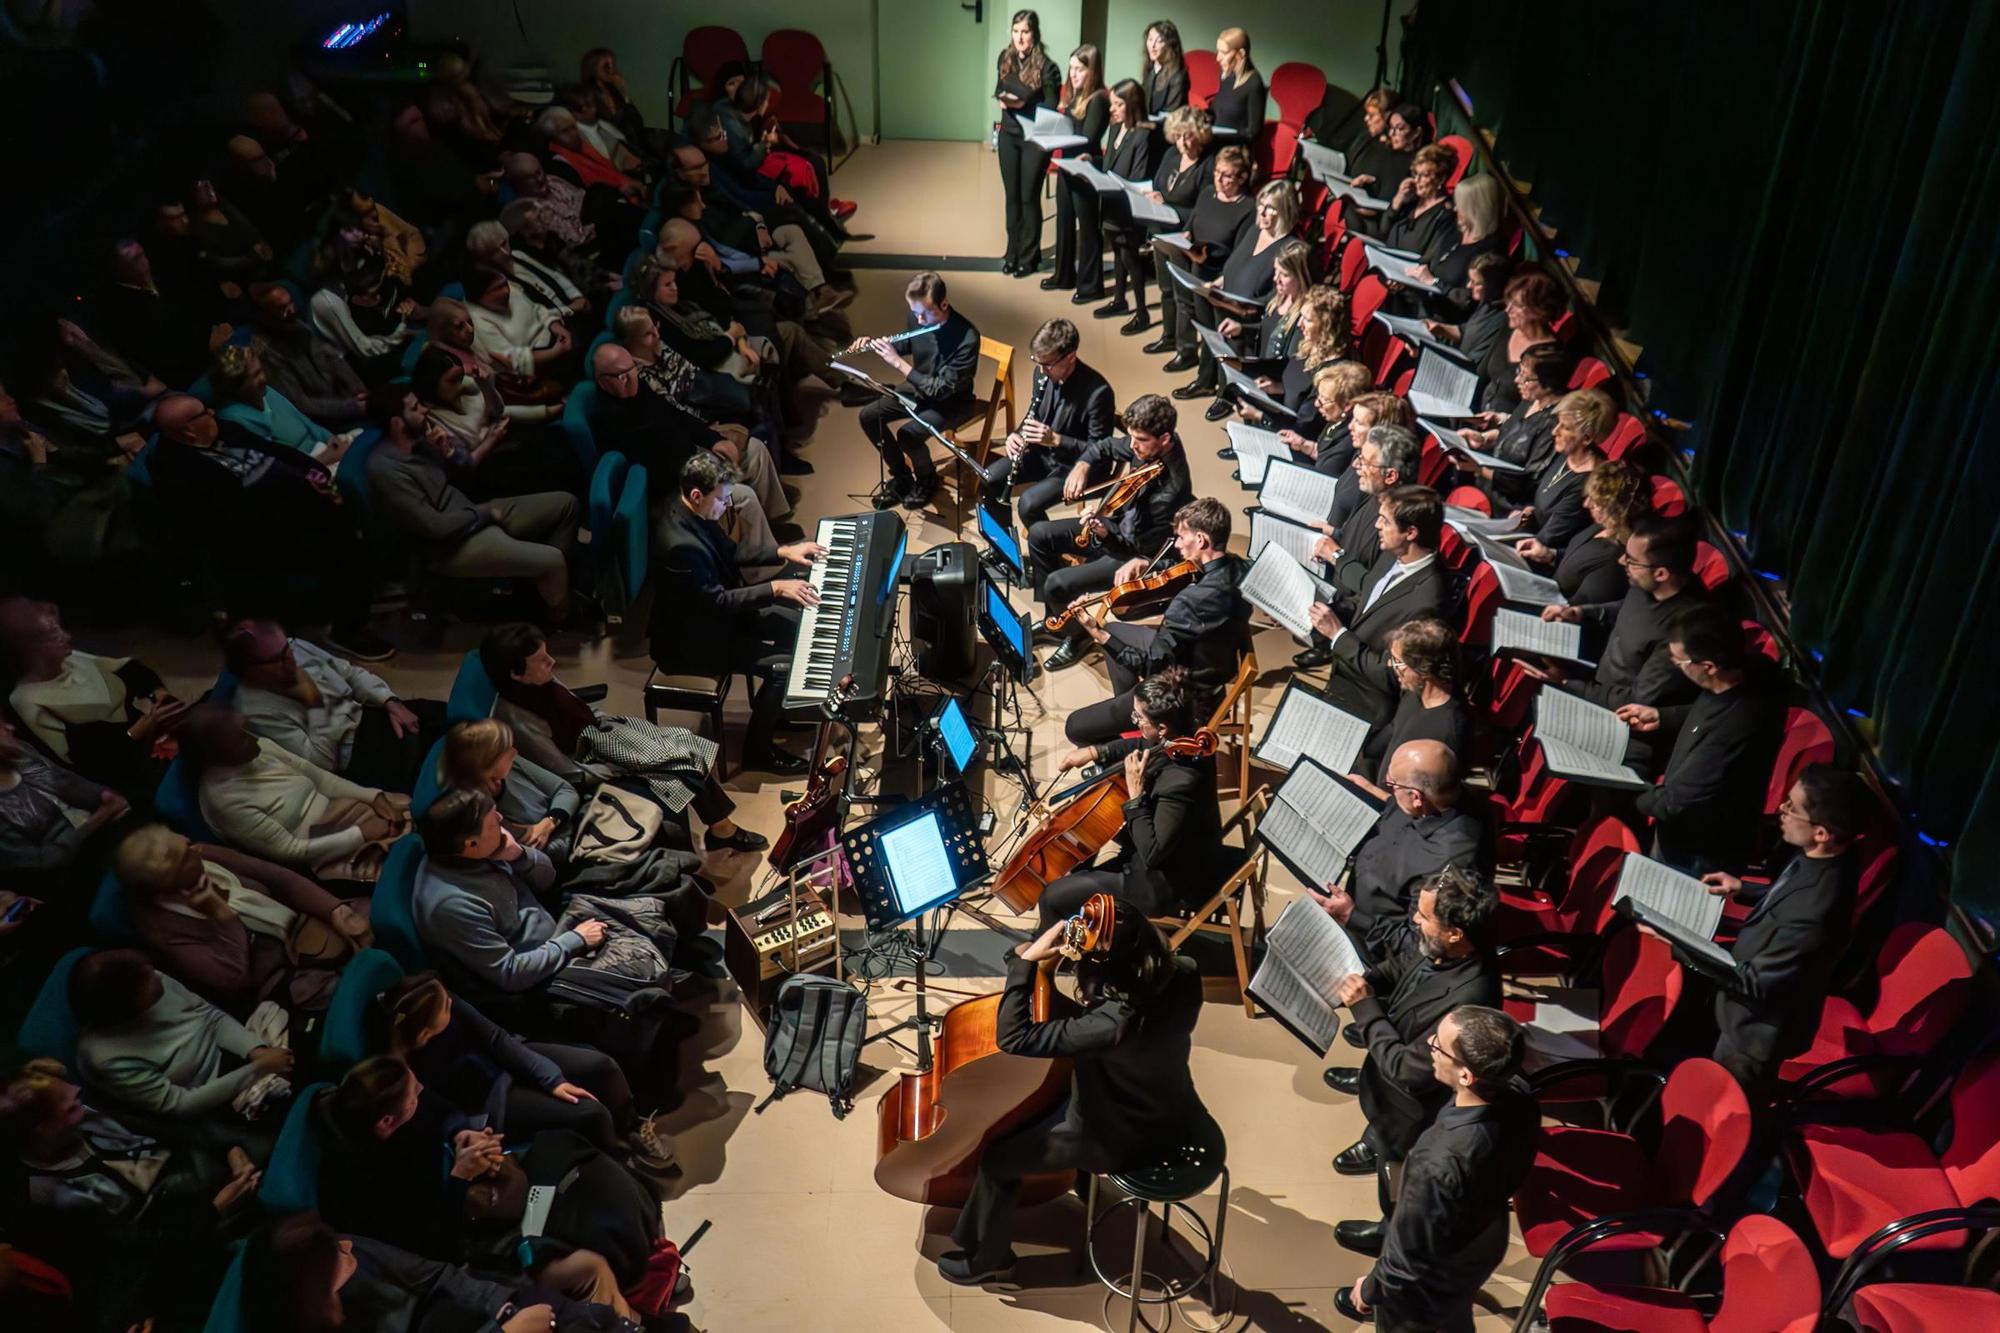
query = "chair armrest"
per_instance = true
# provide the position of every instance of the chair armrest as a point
(1564, 1071)
(1876, 1250)
(591, 694)
(1601, 1229)
(1827, 1075)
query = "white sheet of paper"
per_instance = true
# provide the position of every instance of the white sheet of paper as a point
(1564, 1028)
(1279, 586)
(1178, 239)
(1396, 267)
(1320, 821)
(1144, 209)
(1666, 892)
(1362, 199)
(1452, 440)
(1306, 724)
(1302, 494)
(1217, 345)
(1322, 161)
(1185, 278)
(1055, 143)
(1296, 538)
(1524, 585)
(1255, 450)
(1304, 962)
(1580, 722)
(1580, 765)
(1411, 331)
(1443, 386)
(1253, 391)
(1088, 171)
(1521, 632)
(1476, 525)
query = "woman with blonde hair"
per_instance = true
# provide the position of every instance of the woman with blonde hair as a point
(1026, 79)
(1088, 105)
(1477, 205)
(1239, 99)
(1178, 181)
(536, 806)
(1223, 220)
(1555, 513)
(1274, 336)
(1251, 271)
(1616, 495)
(1336, 386)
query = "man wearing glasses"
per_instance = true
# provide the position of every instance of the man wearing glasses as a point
(1420, 831)
(1385, 461)
(1072, 406)
(1449, 1231)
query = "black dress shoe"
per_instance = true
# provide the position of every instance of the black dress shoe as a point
(1357, 1159)
(1194, 390)
(1219, 409)
(1343, 1078)
(1351, 1034)
(1081, 297)
(1056, 282)
(1071, 652)
(791, 465)
(957, 1268)
(743, 840)
(1343, 1302)
(1315, 656)
(1226, 452)
(1160, 344)
(1358, 1236)
(1136, 325)
(1027, 270)
(773, 760)
(1112, 311)
(1182, 361)
(1007, 266)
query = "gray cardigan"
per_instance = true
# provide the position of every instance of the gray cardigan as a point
(482, 922)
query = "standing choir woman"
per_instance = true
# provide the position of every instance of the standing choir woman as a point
(1166, 76)
(1088, 106)
(1178, 183)
(1239, 100)
(1223, 219)
(1128, 154)
(1251, 271)
(1027, 79)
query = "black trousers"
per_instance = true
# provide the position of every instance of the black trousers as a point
(1205, 315)
(765, 651)
(1174, 300)
(381, 758)
(1022, 166)
(1131, 261)
(1042, 472)
(904, 445)
(1108, 719)
(1054, 1142)
(1086, 206)
(1058, 584)
(530, 1110)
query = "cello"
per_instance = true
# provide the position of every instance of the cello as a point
(1073, 835)
(933, 1124)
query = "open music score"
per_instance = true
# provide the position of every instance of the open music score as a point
(1316, 820)
(847, 634)
(1306, 955)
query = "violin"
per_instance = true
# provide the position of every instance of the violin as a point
(1122, 595)
(1073, 835)
(1088, 933)
(1118, 492)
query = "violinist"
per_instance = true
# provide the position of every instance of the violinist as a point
(1132, 1099)
(1071, 408)
(940, 370)
(1171, 850)
(1139, 527)
(1204, 627)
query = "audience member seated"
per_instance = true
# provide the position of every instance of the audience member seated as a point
(603, 133)
(785, 246)
(103, 716)
(301, 363)
(491, 245)
(227, 245)
(233, 929)
(544, 263)
(528, 345)
(168, 332)
(364, 310)
(401, 245)
(562, 140)
(323, 708)
(536, 806)
(566, 736)
(521, 537)
(255, 512)
(561, 202)
(51, 821)
(1423, 654)
(264, 799)
(493, 452)
(278, 204)
(248, 401)
(149, 1043)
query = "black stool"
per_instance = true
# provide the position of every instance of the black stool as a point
(1183, 1176)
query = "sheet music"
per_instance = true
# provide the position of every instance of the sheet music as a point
(1217, 345)
(1524, 585)
(1524, 633)
(1253, 391)
(1443, 385)
(1477, 525)
(1102, 182)
(1309, 725)
(1296, 538)
(1144, 209)
(1666, 893)
(1047, 120)
(1322, 161)
(1185, 278)
(1056, 142)
(1255, 450)
(846, 369)
(1306, 955)
(1279, 586)
(1685, 939)
(1302, 494)
(1452, 440)
(1315, 822)
(1395, 267)
(1409, 330)
(1582, 723)
(1362, 199)
(1564, 1028)
(1580, 765)
(1179, 240)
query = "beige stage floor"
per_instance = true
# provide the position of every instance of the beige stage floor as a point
(802, 1238)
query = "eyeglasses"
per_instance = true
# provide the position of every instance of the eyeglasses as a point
(1630, 563)
(1403, 786)
(1789, 807)
(1682, 662)
(1437, 1047)
(1396, 663)
(1052, 362)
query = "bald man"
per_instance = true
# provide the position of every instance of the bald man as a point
(1421, 831)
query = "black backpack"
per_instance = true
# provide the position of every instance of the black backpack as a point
(818, 1026)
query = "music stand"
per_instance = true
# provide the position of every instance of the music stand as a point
(880, 390)
(905, 864)
(1003, 556)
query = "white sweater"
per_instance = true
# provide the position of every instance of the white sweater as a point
(267, 807)
(508, 341)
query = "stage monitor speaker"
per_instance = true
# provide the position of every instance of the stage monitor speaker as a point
(943, 584)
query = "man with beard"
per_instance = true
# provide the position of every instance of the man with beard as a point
(301, 363)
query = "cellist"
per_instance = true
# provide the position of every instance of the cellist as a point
(1131, 1101)
(1203, 628)
(1137, 529)
(1171, 853)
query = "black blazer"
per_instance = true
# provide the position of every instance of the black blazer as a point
(1362, 654)
(1144, 525)
(1397, 855)
(1171, 853)
(1132, 1097)
(1166, 89)
(1354, 530)
(1768, 1006)
(702, 602)
(1710, 795)
(1130, 158)
(1200, 629)
(944, 366)
(1081, 410)
(1032, 95)
(1558, 502)
(1412, 996)
(1240, 108)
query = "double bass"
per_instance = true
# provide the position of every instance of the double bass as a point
(932, 1126)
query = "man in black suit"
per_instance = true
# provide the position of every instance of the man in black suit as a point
(1420, 832)
(1172, 853)
(1137, 531)
(1706, 805)
(1406, 583)
(710, 620)
(1449, 1231)
(1432, 961)
(1634, 666)
(1204, 628)
(1071, 408)
(941, 374)
(1768, 1006)
(1387, 459)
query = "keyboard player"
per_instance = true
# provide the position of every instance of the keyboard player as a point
(710, 620)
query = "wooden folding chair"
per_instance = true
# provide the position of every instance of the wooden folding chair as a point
(1002, 356)
(1231, 719)
(1239, 902)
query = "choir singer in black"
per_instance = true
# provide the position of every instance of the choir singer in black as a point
(1071, 408)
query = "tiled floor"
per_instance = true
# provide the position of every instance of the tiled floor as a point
(802, 1238)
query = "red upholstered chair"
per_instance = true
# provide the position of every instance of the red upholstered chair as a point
(1470, 497)
(1482, 599)
(1627, 434)
(1924, 981)
(1204, 76)
(1760, 642)
(1769, 1285)
(1432, 463)
(1353, 263)
(1641, 986)
(1547, 934)
(1589, 373)
(1453, 550)
(1461, 148)
(1272, 150)
(1807, 741)
(1855, 1181)
(1584, 1176)
(1916, 1307)
(1298, 89)
(1709, 566)
(704, 50)
(1364, 301)
(797, 60)
(1386, 355)
(1669, 500)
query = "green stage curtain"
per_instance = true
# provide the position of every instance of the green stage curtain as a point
(1795, 209)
